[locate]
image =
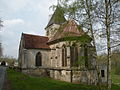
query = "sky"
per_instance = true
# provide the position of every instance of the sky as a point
(22, 16)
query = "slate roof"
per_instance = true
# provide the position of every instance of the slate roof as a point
(35, 42)
(57, 17)
(68, 29)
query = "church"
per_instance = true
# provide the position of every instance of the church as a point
(65, 53)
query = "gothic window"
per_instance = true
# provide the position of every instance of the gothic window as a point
(74, 55)
(86, 55)
(38, 59)
(64, 56)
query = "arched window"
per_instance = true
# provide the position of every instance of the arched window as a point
(64, 56)
(74, 55)
(38, 59)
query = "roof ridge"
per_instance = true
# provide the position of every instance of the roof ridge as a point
(35, 41)
(33, 35)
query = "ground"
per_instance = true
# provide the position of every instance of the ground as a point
(19, 81)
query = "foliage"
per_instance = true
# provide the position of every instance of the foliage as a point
(9, 60)
(117, 69)
(82, 39)
(81, 61)
(115, 61)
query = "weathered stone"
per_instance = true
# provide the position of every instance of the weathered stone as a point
(58, 61)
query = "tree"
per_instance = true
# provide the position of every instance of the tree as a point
(108, 16)
(1, 25)
(82, 11)
(102, 13)
(1, 53)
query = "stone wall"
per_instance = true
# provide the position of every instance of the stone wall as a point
(62, 75)
(85, 76)
(75, 76)
(103, 70)
(30, 57)
(41, 72)
(52, 64)
(51, 30)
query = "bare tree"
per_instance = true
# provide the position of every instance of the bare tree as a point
(90, 13)
(1, 53)
(1, 25)
(82, 11)
(108, 15)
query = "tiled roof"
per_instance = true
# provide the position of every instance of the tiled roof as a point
(68, 29)
(35, 42)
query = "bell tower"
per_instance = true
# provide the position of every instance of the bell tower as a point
(55, 21)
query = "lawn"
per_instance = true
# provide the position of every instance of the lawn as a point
(19, 81)
(115, 78)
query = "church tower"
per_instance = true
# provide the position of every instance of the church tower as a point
(56, 20)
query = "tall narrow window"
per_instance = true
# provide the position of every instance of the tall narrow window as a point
(102, 73)
(38, 59)
(86, 55)
(64, 56)
(74, 55)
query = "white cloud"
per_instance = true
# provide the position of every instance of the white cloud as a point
(28, 16)
(14, 5)
(17, 5)
(13, 22)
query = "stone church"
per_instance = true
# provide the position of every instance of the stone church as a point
(59, 54)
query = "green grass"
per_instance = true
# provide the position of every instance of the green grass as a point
(115, 78)
(20, 81)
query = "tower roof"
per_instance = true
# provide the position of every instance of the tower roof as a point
(57, 17)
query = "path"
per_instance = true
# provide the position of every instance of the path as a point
(2, 76)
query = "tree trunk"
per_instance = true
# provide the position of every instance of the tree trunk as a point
(107, 24)
(92, 35)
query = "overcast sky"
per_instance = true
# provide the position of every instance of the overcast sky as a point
(27, 16)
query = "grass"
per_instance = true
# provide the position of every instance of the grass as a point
(20, 81)
(115, 78)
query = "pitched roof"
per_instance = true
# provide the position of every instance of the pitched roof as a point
(68, 29)
(57, 17)
(35, 42)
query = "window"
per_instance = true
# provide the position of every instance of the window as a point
(102, 73)
(74, 55)
(64, 56)
(86, 55)
(38, 59)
